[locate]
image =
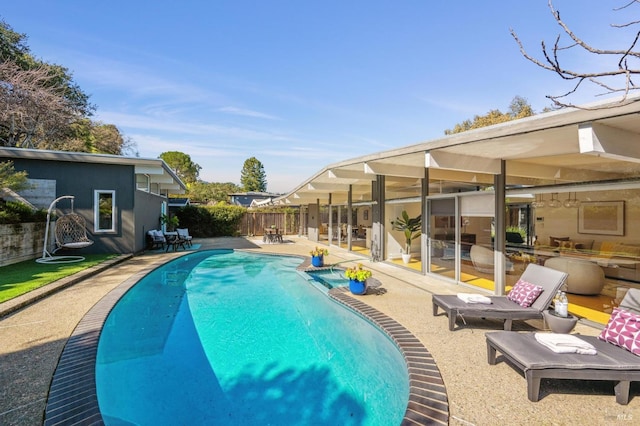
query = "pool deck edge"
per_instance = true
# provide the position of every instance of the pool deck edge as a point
(72, 395)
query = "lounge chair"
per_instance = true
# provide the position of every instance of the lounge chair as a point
(611, 362)
(155, 239)
(184, 234)
(502, 307)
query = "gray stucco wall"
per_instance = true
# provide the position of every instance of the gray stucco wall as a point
(81, 180)
(147, 210)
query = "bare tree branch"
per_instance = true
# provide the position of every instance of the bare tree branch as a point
(622, 74)
(32, 110)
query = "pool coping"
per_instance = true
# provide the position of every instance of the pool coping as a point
(73, 395)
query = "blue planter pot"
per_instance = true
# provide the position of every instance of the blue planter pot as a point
(317, 261)
(357, 287)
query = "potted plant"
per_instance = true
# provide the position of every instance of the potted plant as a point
(317, 256)
(412, 228)
(357, 277)
(170, 221)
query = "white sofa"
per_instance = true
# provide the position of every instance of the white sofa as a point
(618, 260)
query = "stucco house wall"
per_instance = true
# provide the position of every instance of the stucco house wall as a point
(147, 210)
(81, 180)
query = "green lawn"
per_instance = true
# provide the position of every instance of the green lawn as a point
(21, 278)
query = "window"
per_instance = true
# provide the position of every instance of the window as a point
(104, 211)
(143, 183)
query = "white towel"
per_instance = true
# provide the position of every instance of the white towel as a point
(565, 343)
(474, 298)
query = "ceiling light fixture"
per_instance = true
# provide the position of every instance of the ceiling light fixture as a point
(554, 203)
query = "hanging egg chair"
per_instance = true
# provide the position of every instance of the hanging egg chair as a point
(70, 233)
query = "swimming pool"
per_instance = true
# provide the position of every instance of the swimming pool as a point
(225, 337)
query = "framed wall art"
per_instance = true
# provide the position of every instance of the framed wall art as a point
(601, 217)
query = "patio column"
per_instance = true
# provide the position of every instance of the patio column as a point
(339, 226)
(313, 225)
(300, 220)
(500, 230)
(424, 193)
(377, 230)
(349, 217)
(330, 230)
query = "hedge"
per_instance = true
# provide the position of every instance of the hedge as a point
(211, 221)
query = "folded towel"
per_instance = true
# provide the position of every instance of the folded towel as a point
(561, 339)
(565, 343)
(474, 298)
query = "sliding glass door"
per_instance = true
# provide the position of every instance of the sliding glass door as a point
(461, 229)
(442, 241)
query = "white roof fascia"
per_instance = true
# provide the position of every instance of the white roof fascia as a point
(378, 168)
(467, 163)
(350, 174)
(161, 179)
(317, 186)
(149, 170)
(605, 141)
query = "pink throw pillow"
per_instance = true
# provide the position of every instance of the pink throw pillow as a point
(524, 293)
(623, 329)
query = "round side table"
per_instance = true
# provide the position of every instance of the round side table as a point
(559, 324)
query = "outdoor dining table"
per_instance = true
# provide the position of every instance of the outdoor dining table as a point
(272, 235)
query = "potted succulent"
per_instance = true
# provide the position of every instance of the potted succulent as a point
(412, 228)
(317, 256)
(357, 277)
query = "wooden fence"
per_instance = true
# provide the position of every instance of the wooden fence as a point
(254, 223)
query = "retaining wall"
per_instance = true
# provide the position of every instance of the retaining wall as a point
(21, 241)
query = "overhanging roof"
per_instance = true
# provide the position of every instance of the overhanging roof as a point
(601, 138)
(155, 169)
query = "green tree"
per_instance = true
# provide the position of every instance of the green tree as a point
(182, 166)
(518, 108)
(211, 192)
(253, 176)
(96, 137)
(10, 178)
(13, 46)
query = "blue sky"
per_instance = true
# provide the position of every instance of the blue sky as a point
(302, 84)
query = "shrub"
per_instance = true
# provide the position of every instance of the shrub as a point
(211, 221)
(519, 230)
(16, 212)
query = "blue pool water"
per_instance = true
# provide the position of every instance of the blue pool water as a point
(236, 338)
(329, 278)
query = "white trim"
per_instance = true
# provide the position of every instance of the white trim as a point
(96, 210)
